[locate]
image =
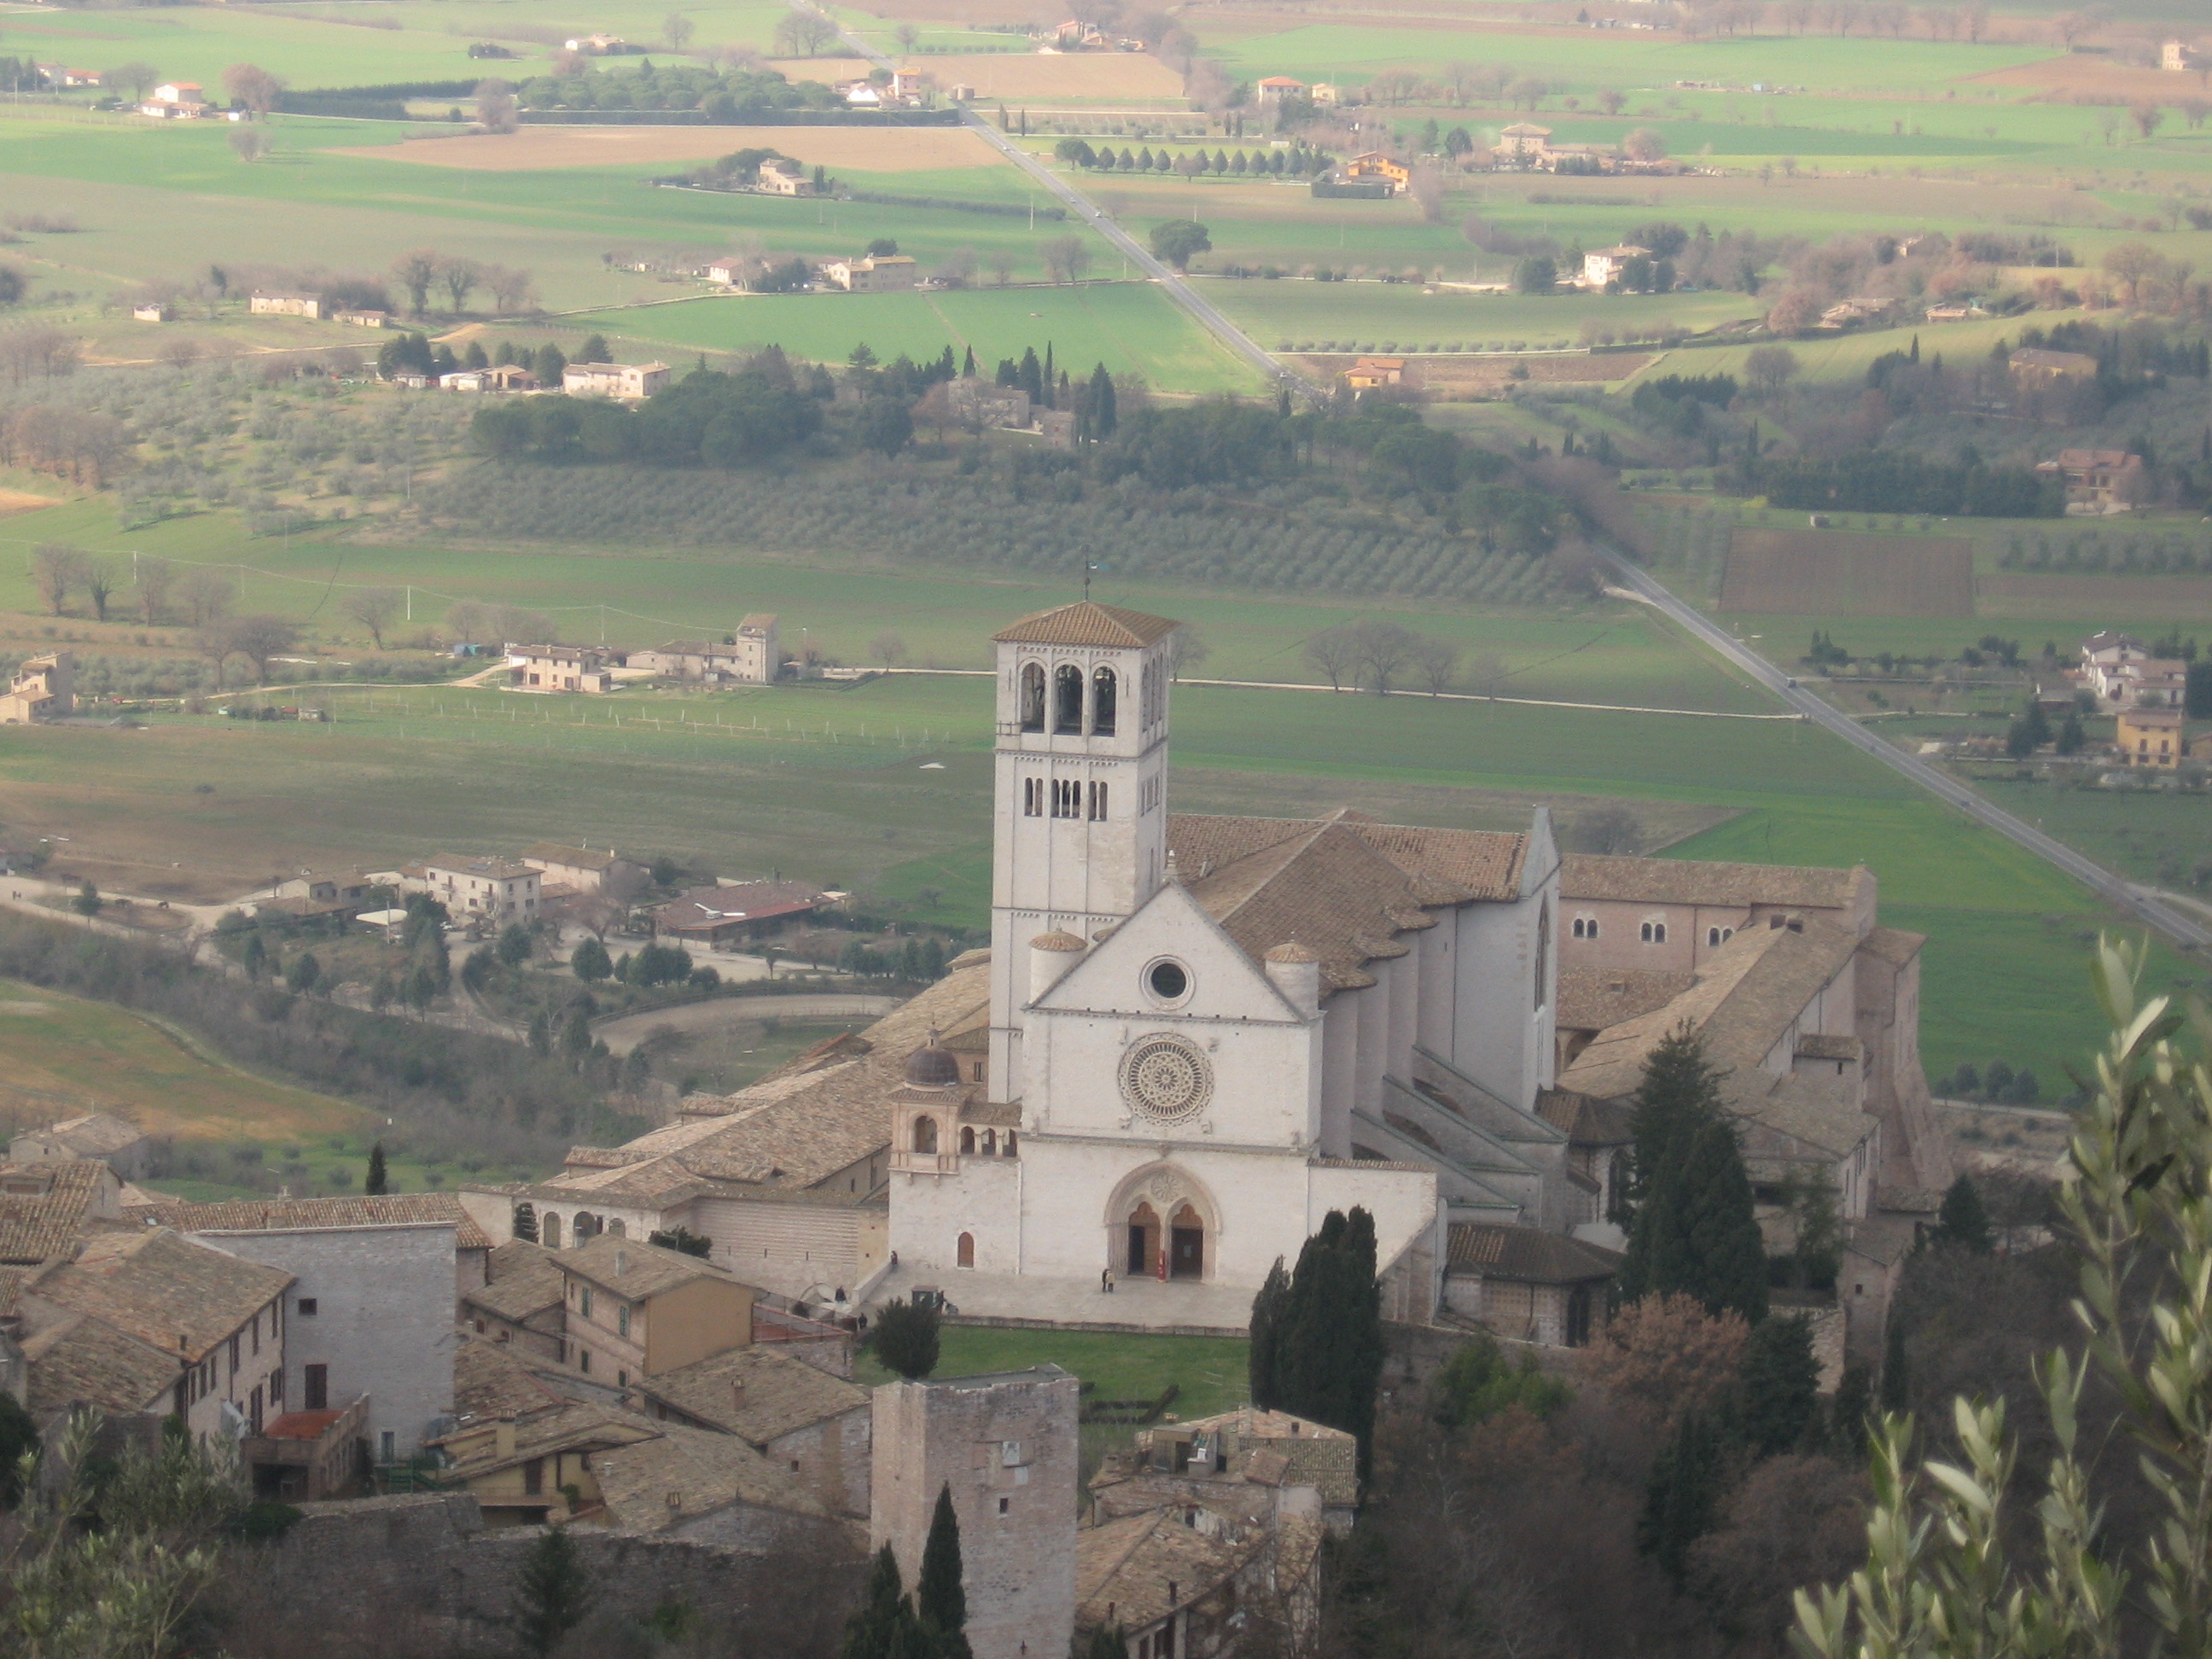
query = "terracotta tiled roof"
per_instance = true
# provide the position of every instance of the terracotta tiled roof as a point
(681, 1474)
(490, 1381)
(1585, 1121)
(73, 1357)
(1343, 886)
(1525, 1254)
(1681, 881)
(97, 1134)
(177, 1296)
(1301, 1452)
(1087, 623)
(46, 1208)
(1893, 944)
(1135, 1571)
(575, 858)
(575, 1426)
(286, 1214)
(634, 1269)
(520, 1278)
(756, 1392)
(1592, 999)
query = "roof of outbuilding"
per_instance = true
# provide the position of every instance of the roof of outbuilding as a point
(491, 1381)
(756, 1392)
(1683, 881)
(37, 1225)
(577, 1426)
(177, 1294)
(572, 858)
(75, 1356)
(520, 1278)
(1086, 622)
(681, 1474)
(1133, 1572)
(1525, 1254)
(1592, 999)
(96, 1133)
(286, 1214)
(632, 1268)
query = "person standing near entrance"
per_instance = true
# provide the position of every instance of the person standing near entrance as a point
(1106, 1279)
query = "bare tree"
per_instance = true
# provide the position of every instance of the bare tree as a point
(208, 596)
(1487, 672)
(1334, 654)
(415, 270)
(253, 86)
(907, 36)
(957, 268)
(888, 649)
(1187, 649)
(460, 276)
(1770, 369)
(470, 623)
(375, 609)
(677, 30)
(1066, 258)
(1383, 650)
(1436, 661)
(152, 578)
(259, 638)
(1001, 265)
(512, 290)
(212, 640)
(249, 144)
(802, 34)
(55, 568)
(495, 106)
(1427, 190)
(1607, 829)
(98, 576)
(135, 75)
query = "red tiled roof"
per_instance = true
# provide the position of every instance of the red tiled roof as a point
(1087, 623)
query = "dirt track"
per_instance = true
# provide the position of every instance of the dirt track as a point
(891, 149)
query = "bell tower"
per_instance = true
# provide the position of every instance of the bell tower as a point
(1080, 801)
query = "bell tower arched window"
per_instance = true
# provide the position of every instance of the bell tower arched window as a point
(924, 1134)
(1033, 696)
(1103, 688)
(1067, 700)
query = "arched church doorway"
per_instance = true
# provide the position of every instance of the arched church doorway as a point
(1144, 1241)
(1185, 1245)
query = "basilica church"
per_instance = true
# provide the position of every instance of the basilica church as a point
(1192, 1036)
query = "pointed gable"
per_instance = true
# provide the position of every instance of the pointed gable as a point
(1227, 981)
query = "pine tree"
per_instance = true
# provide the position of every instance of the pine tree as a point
(968, 365)
(1031, 374)
(1964, 1220)
(940, 1599)
(1268, 1308)
(378, 1182)
(1781, 1383)
(907, 1339)
(1681, 1500)
(552, 1592)
(1679, 1089)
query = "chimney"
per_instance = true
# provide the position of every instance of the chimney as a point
(502, 1437)
(622, 1264)
(737, 1395)
(1296, 972)
(1051, 955)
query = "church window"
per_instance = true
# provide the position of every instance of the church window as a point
(1010, 1143)
(1103, 686)
(1032, 797)
(1067, 700)
(968, 1140)
(1543, 949)
(1654, 932)
(548, 1230)
(1167, 980)
(618, 1227)
(1719, 935)
(1095, 808)
(1585, 928)
(1068, 798)
(1033, 696)
(965, 1253)
(924, 1134)
(990, 1143)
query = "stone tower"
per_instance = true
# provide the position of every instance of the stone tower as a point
(1006, 1446)
(1079, 808)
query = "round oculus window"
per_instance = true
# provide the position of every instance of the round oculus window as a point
(1165, 1079)
(1168, 981)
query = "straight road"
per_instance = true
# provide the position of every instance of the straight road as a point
(1178, 288)
(2184, 930)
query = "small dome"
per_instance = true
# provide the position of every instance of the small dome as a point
(1056, 940)
(1290, 951)
(933, 1066)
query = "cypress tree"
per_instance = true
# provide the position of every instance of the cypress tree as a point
(1964, 1220)
(1329, 1345)
(1848, 1412)
(1781, 1383)
(378, 1182)
(1103, 418)
(940, 1600)
(1697, 1233)
(884, 1626)
(1679, 1090)
(968, 365)
(1268, 1311)
(1896, 1383)
(552, 1592)
(1681, 1500)
(1031, 374)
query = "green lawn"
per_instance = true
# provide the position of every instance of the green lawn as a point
(1208, 1370)
(1372, 312)
(1131, 327)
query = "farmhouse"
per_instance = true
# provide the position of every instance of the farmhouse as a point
(2033, 368)
(42, 689)
(1277, 87)
(276, 302)
(749, 656)
(879, 273)
(2102, 480)
(311, 895)
(560, 668)
(175, 99)
(363, 318)
(1524, 143)
(1604, 265)
(2180, 57)
(580, 869)
(152, 313)
(2151, 737)
(747, 910)
(780, 176)
(979, 402)
(598, 46)
(1375, 165)
(1367, 372)
(499, 891)
(97, 1136)
(502, 377)
(626, 380)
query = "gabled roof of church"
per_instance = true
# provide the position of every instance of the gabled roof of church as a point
(1343, 886)
(1086, 622)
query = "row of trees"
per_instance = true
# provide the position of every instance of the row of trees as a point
(419, 271)
(1379, 654)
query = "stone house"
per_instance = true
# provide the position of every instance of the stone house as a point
(779, 176)
(41, 688)
(97, 1136)
(1526, 1285)
(47, 1203)
(1523, 143)
(494, 889)
(2099, 480)
(1603, 266)
(634, 1310)
(563, 871)
(1276, 88)
(879, 273)
(527, 1470)
(285, 303)
(750, 656)
(520, 1301)
(1367, 372)
(628, 381)
(2034, 369)
(814, 1426)
(560, 668)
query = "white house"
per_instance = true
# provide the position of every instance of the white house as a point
(631, 381)
(1603, 265)
(879, 273)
